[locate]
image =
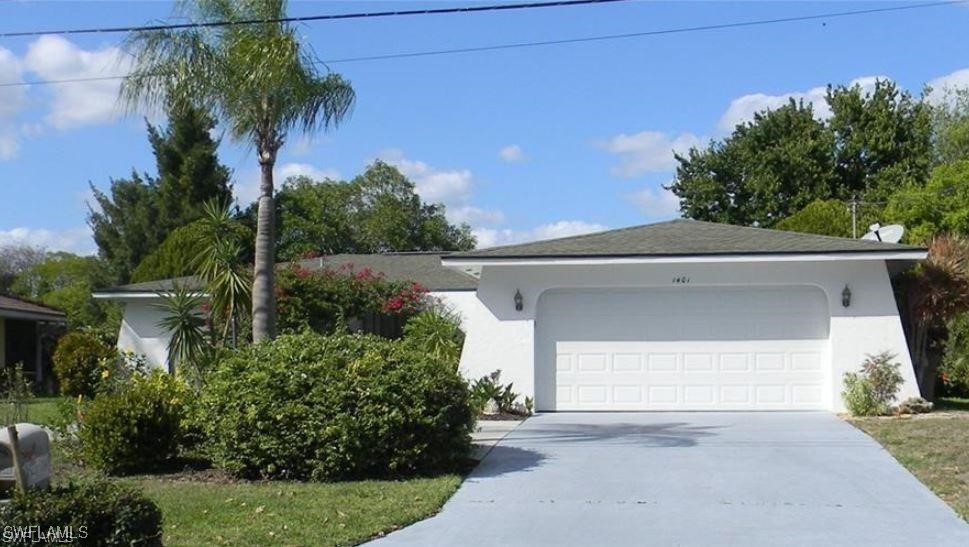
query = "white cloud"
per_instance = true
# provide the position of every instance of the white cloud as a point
(246, 188)
(475, 215)
(564, 228)
(742, 109)
(511, 154)
(434, 185)
(80, 103)
(13, 99)
(943, 86)
(655, 203)
(75, 240)
(288, 170)
(647, 151)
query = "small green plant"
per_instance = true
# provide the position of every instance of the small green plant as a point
(78, 362)
(872, 390)
(108, 513)
(489, 391)
(137, 428)
(15, 395)
(438, 333)
(185, 324)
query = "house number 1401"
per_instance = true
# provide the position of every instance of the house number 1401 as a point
(681, 280)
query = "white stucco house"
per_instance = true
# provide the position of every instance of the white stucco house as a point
(679, 315)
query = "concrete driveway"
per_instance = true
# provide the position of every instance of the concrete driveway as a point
(601, 479)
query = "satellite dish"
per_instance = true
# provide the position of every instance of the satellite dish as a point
(889, 234)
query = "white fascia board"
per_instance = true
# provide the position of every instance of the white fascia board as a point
(458, 263)
(140, 295)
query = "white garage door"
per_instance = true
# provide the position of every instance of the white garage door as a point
(682, 349)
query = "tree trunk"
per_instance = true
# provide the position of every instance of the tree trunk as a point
(263, 283)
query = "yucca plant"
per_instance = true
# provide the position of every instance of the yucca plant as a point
(222, 269)
(184, 320)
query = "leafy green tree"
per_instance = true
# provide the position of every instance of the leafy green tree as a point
(883, 139)
(767, 169)
(951, 126)
(222, 266)
(14, 260)
(177, 256)
(784, 159)
(375, 212)
(824, 217)
(941, 206)
(125, 223)
(259, 81)
(189, 172)
(138, 213)
(391, 216)
(314, 218)
(66, 281)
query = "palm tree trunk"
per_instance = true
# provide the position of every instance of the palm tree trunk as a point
(263, 285)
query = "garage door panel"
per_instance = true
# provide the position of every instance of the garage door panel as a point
(743, 350)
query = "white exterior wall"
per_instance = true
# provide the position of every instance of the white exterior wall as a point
(140, 333)
(491, 344)
(870, 325)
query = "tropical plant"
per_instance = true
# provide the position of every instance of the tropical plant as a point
(489, 389)
(872, 390)
(222, 268)
(932, 294)
(185, 323)
(259, 80)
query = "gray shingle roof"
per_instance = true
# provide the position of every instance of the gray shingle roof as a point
(683, 237)
(162, 285)
(15, 307)
(424, 268)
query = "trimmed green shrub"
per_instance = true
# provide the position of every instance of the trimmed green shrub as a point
(438, 333)
(137, 428)
(78, 362)
(99, 513)
(334, 407)
(872, 390)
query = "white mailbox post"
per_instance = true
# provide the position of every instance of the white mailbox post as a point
(34, 457)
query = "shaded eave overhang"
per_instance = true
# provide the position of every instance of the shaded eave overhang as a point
(33, 316)
(473, 264)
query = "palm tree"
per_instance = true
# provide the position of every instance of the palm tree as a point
(220, 266)
(259, 81)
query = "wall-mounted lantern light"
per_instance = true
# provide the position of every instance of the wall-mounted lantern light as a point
(519, 301)
(846, 297)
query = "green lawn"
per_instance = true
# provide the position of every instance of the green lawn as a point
(206, 507)
(286, 513)
(934, 447)
(43, 410)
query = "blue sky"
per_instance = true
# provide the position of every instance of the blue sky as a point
(521, 143)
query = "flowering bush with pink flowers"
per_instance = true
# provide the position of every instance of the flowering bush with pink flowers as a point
(330, 299)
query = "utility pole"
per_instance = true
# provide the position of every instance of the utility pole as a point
(854, 216)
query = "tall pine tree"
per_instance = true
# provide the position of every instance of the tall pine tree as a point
(139, 212)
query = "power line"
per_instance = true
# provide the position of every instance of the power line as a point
(310, 18)
(680, 30)
(515, 45)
